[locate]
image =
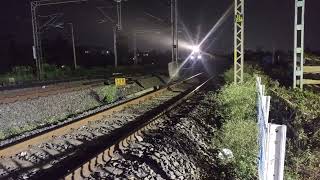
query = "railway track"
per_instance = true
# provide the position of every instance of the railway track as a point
(83, 144)
(12, 96)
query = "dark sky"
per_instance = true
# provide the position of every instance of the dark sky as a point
(269, 23)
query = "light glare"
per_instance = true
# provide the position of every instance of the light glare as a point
(196, 49)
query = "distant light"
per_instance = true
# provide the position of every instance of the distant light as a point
(108, 52)
(199, 57)
(192, 57)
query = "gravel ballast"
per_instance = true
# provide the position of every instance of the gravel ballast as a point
(179, 147)
(27, 115)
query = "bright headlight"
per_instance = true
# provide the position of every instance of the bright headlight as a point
(195, 49)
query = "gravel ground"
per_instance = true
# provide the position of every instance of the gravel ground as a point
(61, 146)
(27, 115)
(179, 147)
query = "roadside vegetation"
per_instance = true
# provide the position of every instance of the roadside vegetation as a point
(236, 108)
(299, 110)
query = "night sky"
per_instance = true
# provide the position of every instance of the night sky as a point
(269, 23)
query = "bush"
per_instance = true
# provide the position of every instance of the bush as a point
(249, 72)
(55, 72)
(21, 73)
(109, 93)
(237, 102)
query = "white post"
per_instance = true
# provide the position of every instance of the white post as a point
(272, 140)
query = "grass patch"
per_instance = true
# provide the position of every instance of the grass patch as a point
(236, 106)
(13, 131)
(299, 110)
(109, 93)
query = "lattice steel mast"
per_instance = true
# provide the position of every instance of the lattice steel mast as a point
(238, 40)
(298, 59)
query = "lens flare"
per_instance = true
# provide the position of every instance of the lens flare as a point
(196, 49)
(222, 19)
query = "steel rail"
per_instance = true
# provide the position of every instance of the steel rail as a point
(14, 148)
(81, 169)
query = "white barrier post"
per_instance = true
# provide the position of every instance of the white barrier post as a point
(272, 140)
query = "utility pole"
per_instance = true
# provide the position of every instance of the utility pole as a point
(238, 40)
(135, 56)
(37, 44)
(73, 47)
(115, 31)
(117, 27)
(36, 39)
(273, 55)
(119, 14)
(115, 47)
(176, 30)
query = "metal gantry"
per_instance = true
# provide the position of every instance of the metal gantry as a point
(37, 44)
(238, 40)
(298, 59)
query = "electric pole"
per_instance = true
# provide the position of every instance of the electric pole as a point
(115, 47)
(37, 43)
(117, 29)
(176, 30)
(172, 30)
(73, 47)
